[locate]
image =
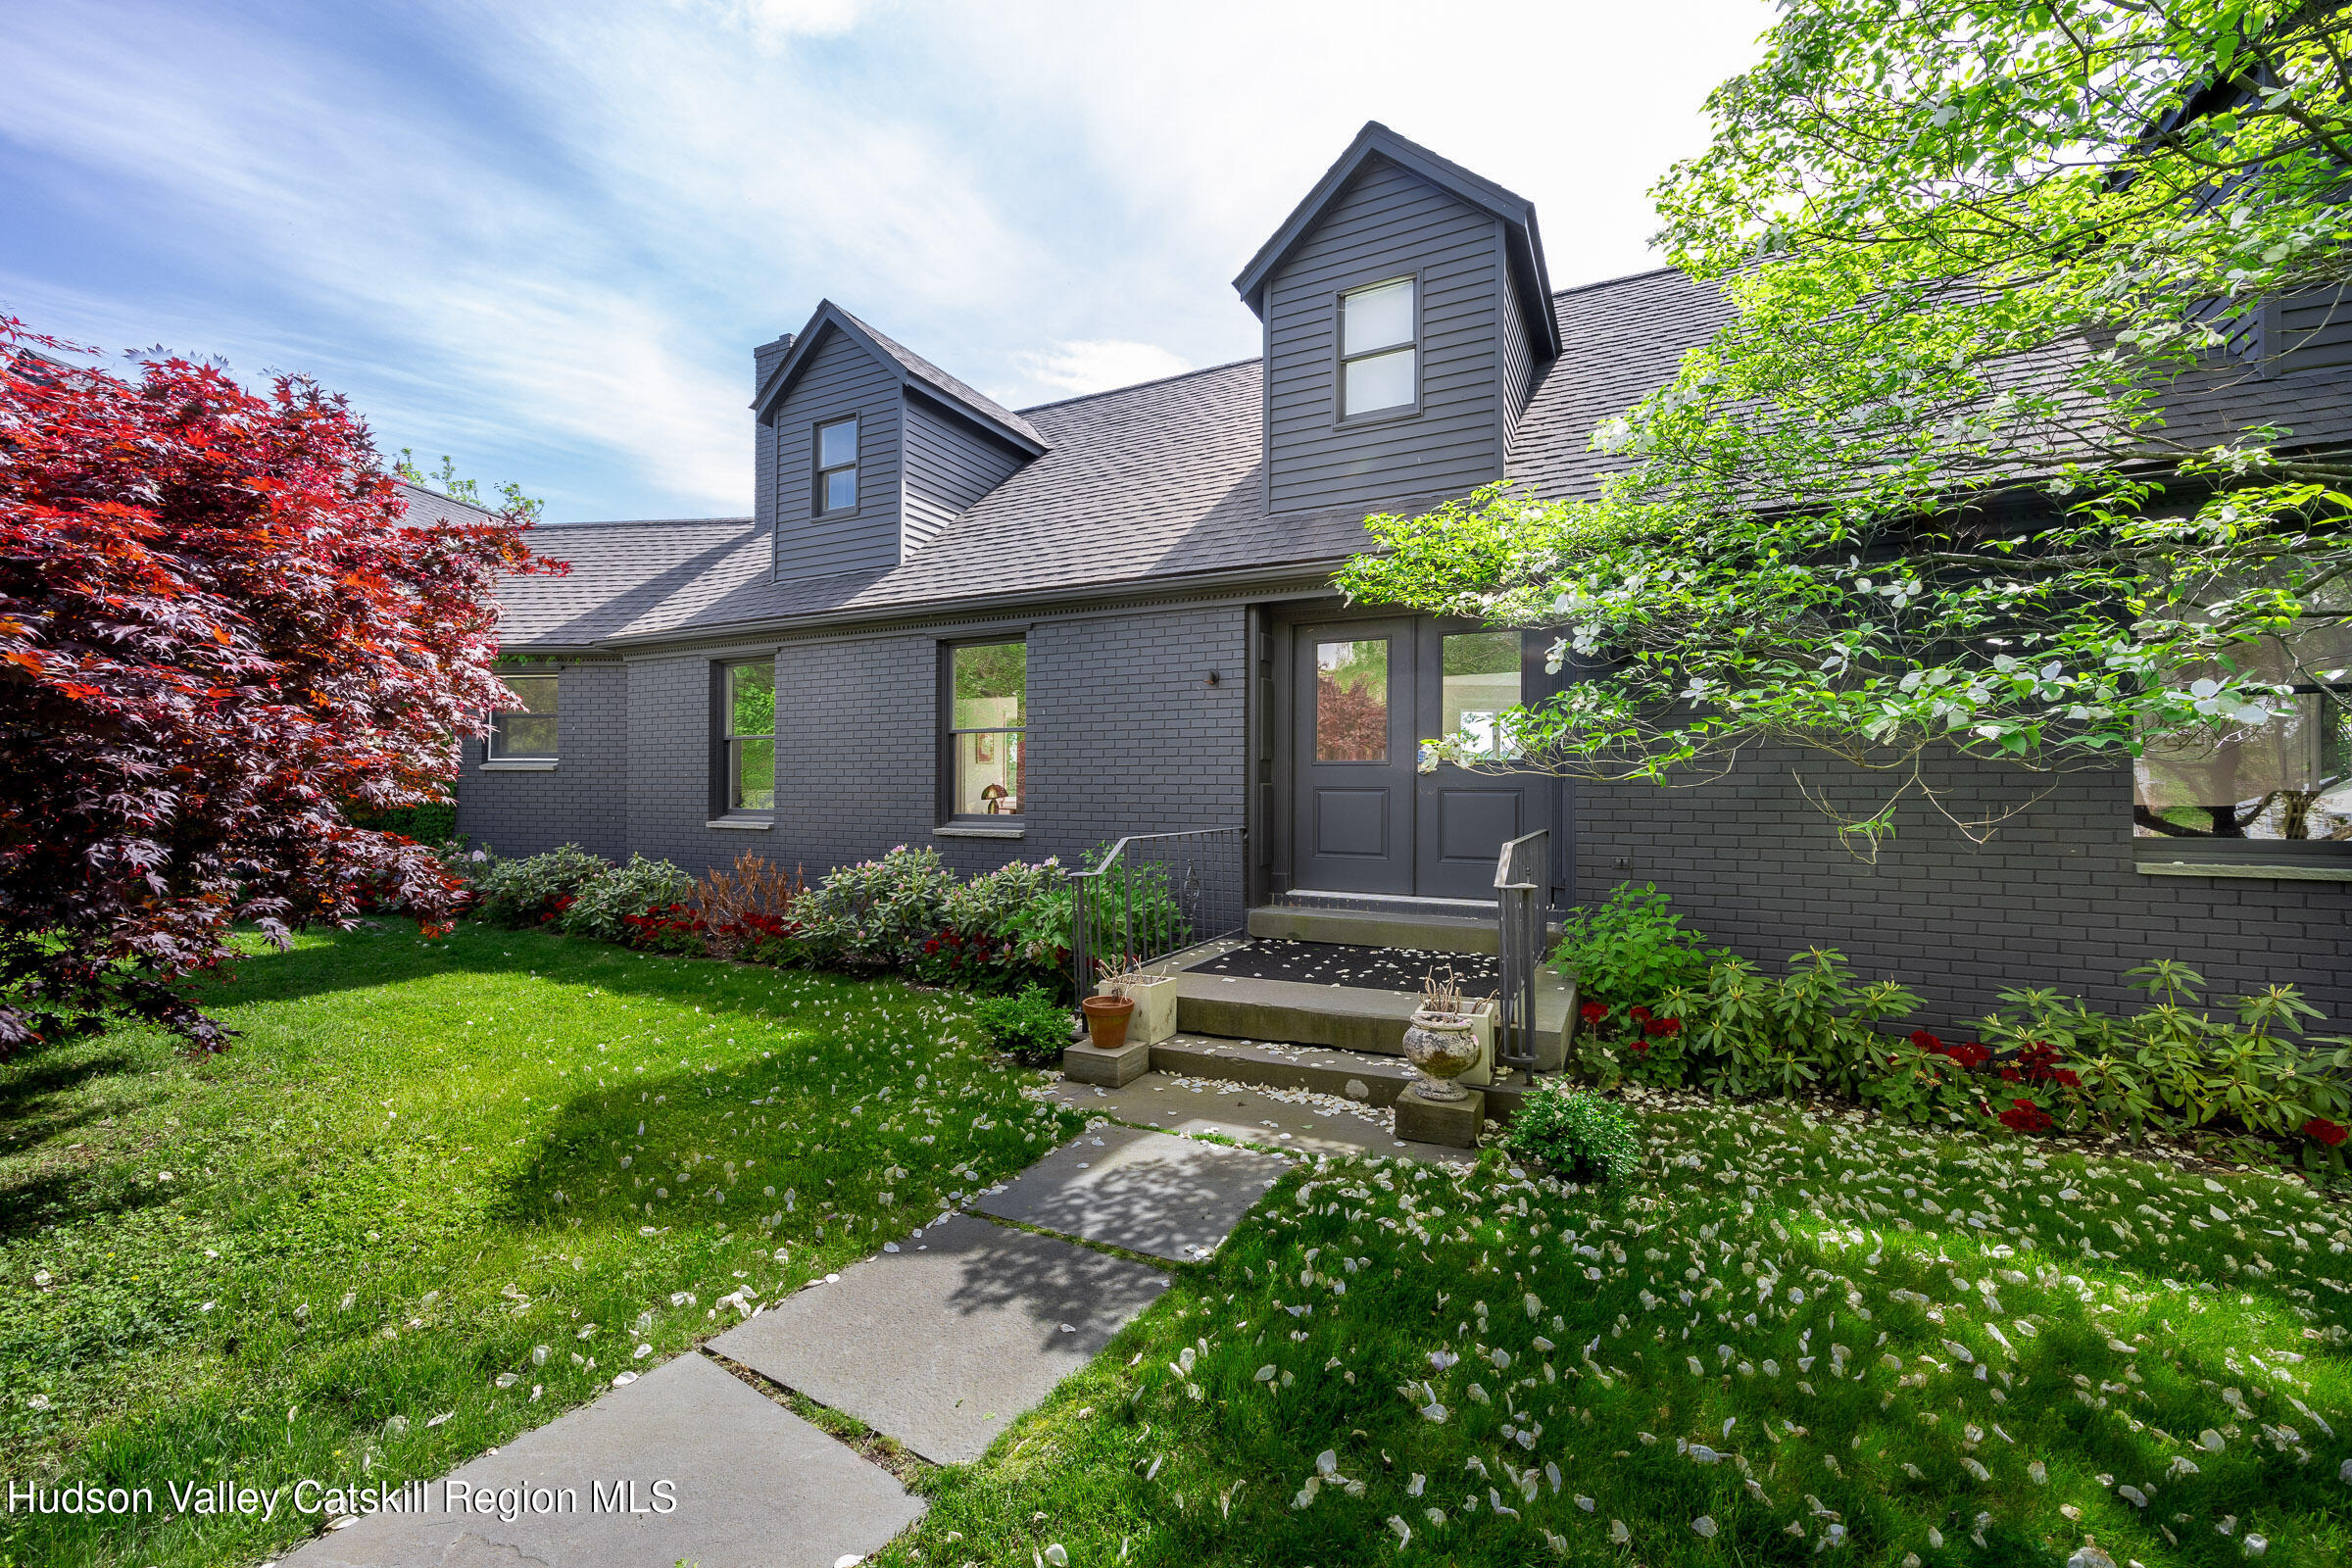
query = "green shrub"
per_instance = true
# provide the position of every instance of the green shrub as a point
(1580, 1135)
(2175, 1067)
(601, 906)
(997, 931)
(1029, 1024)
(1630, 951)
(1744, 1032)
(426, 825)
(875, 914)
(536, 890)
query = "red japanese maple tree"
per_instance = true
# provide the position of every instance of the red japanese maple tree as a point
(217, 627)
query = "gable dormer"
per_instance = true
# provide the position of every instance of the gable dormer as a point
(1408, 317)
(865, 450)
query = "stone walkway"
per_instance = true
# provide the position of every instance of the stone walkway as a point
(938, 1343)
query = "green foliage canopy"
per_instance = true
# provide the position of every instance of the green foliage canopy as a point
(1981, 457)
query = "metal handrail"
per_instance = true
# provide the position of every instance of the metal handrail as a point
(1519, 878)
(1194, 888)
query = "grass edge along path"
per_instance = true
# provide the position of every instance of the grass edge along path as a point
(1791, 1341)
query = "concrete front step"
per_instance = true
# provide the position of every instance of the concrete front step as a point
(1371, 1079)
(1234, 1007)
(1410, 929)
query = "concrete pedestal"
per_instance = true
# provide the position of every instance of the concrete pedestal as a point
(1113, 1069)
(1449, 1123)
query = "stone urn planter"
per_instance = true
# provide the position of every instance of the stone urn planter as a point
(1441, 1047)
(1155, 998)
(1106, 1021)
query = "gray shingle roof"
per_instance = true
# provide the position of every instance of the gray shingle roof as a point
(1149, 487)
(939, 381)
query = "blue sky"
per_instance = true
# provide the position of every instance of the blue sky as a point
(543, 237)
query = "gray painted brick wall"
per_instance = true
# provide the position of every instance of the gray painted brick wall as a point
(2051, 898)
(585, 799)
(1125, 736)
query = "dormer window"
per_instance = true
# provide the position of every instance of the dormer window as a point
(837, 467)
(1380, 349)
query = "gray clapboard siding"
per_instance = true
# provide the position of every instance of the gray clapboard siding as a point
(949, 464)
(1385, 224)
(842, 379)
(1518, 357)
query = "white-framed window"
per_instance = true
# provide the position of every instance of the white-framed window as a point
(525, 727)
(837, 466)
(748, 734)
(1379, 348)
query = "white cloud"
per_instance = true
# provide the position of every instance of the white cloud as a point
(1098, 365)
(544, 236)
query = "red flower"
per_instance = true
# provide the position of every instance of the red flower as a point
(1926, 1040)
(1594, 1012)
(1663, 1026)
(1971, 1054)
(2321, 1130)
(2010, 1075)
(2024, 1116)
(1638, 1013)
(2066, 1076)
(1641, 1043)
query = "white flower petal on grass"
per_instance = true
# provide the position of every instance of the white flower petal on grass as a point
(1619, 1534)
(1705, 1525)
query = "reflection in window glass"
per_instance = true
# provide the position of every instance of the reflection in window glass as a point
(1378, 327)
(1481, 685)
(2282, 780)
(988, 720)
(528, 727)
(837, 466)
(1351, 701)
(750, 736)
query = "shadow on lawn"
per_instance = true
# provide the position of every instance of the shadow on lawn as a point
(575, 1178)
(41, 1198)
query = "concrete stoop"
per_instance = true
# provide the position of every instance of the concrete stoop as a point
(1372, 1079)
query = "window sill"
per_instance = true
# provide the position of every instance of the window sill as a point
(745, 824)
(2330, 870)
(977, 830)
(517, 765)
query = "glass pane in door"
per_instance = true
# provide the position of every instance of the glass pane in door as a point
(1351, 701)
(1481, 683)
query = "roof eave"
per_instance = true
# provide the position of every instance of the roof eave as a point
(804, 344)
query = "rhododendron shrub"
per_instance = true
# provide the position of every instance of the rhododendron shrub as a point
(222, 635)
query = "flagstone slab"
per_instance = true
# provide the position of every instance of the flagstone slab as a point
(748, 1483)
(945, 1342)
(1149, 1193)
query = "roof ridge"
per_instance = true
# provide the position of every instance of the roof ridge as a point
(1137, 386)
(1622, 278)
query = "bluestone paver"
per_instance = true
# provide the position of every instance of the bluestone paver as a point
(1151, 1192)
(748, 1483)
(943, 1343)
(1247, 1115)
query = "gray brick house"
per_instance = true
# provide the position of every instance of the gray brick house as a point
(1021, 633)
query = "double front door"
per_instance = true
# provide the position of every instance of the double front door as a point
(1367, 818)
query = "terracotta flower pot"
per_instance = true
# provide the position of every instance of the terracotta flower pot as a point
(1107, 1020)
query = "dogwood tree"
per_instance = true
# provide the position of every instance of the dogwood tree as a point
(217, 629)
(1997, 447)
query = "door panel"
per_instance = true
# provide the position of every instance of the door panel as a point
(1466, 676)
(1351, 822)
(1353, 707)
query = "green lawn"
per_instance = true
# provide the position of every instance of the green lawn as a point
(338, 1250)
(422, 1162)
(1777, 1330)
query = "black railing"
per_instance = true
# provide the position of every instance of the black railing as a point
(1155, 894)
(1521, 881)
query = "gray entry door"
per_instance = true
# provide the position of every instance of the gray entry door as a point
(1354, 750)
(1465, 677)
